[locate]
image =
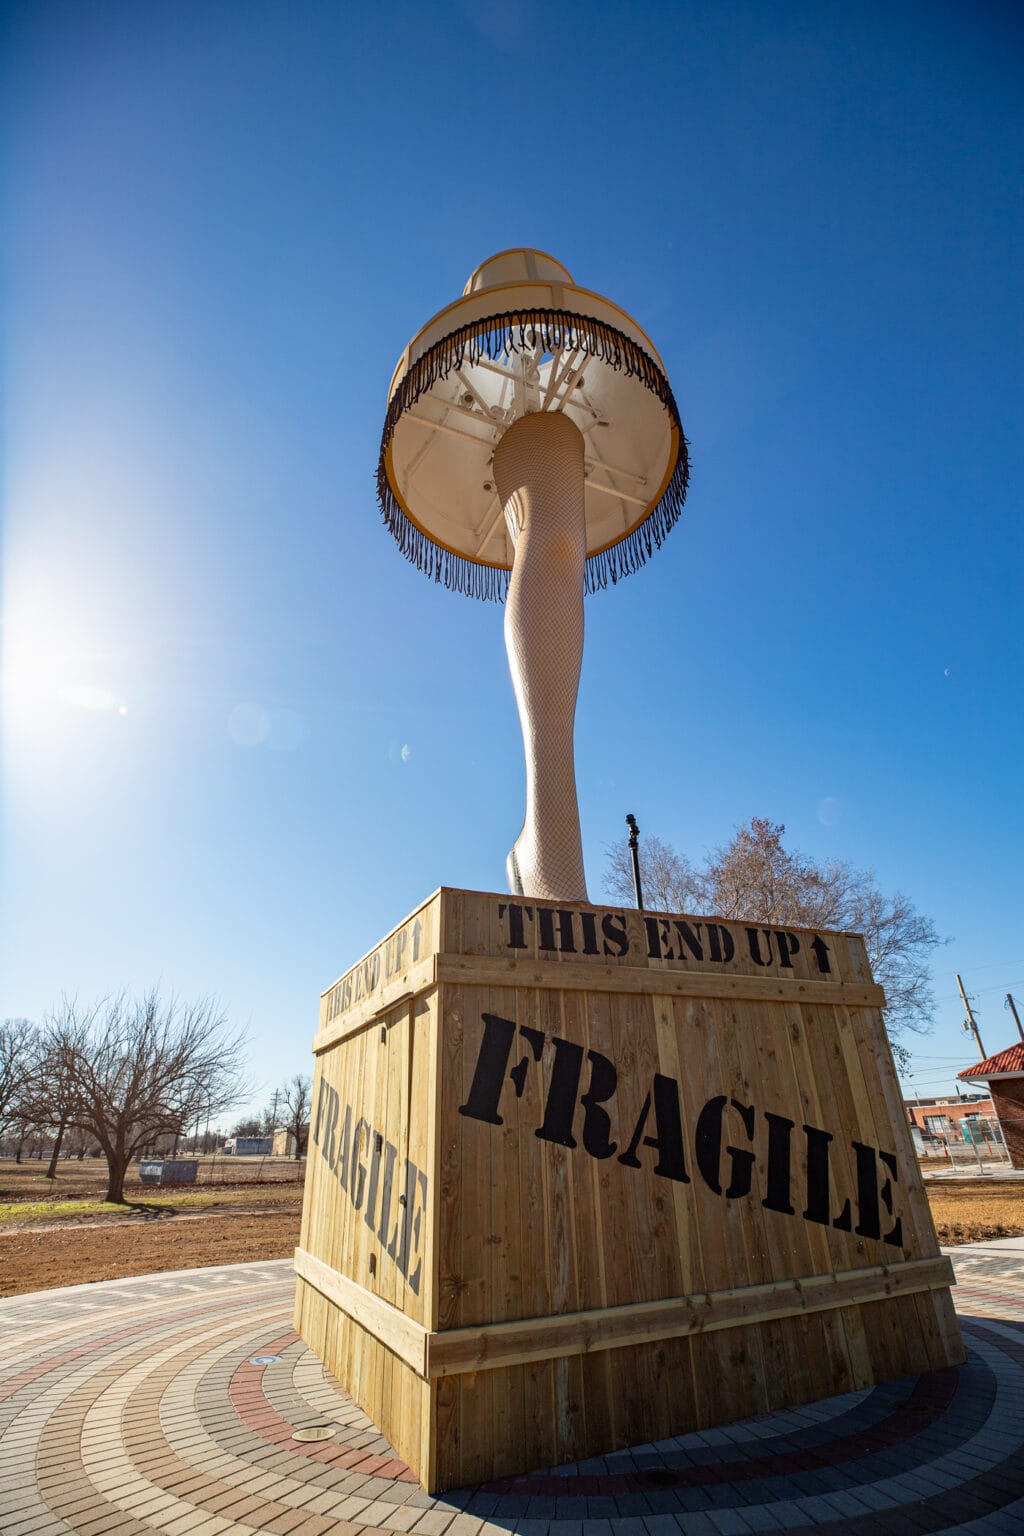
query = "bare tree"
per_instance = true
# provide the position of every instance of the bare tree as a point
(295, 1100)
(24, 1135)
(18, 1039)
(49, 1095)
(754, 878)
(78, 1144)
(249, 1125)
(143, 1070)
(668, 878)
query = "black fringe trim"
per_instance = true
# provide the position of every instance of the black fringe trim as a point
(497, 336)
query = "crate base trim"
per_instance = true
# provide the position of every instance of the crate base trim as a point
(460, 1351)
(390, 1327)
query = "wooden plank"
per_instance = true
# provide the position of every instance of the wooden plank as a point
(414, 936)
(561, 933)
(421, 1144)
(539, 1338)
(410, 984)
(567, 975)
(399, 1333)
(871, 1047)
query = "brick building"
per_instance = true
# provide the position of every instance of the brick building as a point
(1004, 1074)
(949, 1119)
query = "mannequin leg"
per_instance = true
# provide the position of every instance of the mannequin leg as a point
(538, 469)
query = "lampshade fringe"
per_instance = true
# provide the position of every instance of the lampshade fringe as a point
(505, 335)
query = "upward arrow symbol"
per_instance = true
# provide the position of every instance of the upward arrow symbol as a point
(821, 953)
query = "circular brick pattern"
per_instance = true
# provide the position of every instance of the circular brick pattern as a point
(171, 1404)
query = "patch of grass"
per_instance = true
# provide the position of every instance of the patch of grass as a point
(52, 1210)
(976, 1210)
(17, 1213)
(87, 1180)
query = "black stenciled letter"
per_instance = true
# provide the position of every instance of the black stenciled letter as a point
(659, 939)
(708, 1146)
(616, 939)
(690, 936)
(869, 1221)
(596, 1121)
(344, 1144)
(489, 1074)
(818, 1199)
(546, 923)
(895, 1236)
(754, 944)
(787, 944)
(516, 932)
(817, 1208)
(415, 1205)
(390, 1154)
(669, 1141)
(358, 1168)
(720, 943)
(588, 922)
(321, 1100)
(780, 1131)
(377, 1143)
(561, 1101)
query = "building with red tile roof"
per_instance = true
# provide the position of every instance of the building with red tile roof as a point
(1004, 1074)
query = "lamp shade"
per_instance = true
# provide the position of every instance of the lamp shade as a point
(524, 338)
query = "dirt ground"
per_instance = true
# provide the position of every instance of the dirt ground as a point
(37, 1259)
(972, 1210)
(60, 1232)
(44, 1244)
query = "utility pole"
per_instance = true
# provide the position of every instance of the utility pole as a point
(969, 1022)
(1016, 1017)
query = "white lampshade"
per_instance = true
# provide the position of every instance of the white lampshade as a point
(524, 338)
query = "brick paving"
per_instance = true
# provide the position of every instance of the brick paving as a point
(169, 1404)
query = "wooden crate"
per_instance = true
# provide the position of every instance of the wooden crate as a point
(581, 1178)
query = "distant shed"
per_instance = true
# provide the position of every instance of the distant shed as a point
(248, 1146)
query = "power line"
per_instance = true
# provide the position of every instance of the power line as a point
(938, 1061)
(949, 997)
(991, 965)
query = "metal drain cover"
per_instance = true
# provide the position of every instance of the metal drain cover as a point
(659, 1477)
(264, 1359)
(315, 1432)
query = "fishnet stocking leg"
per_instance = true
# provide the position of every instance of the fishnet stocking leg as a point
(538, 470)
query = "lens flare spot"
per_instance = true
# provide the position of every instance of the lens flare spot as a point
(248, 724)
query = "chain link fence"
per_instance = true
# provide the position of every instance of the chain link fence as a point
(969, 1145)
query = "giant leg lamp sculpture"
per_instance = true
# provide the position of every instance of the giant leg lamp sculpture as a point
(531, 430)
(518, 1248)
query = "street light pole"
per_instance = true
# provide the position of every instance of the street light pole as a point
(634, 848)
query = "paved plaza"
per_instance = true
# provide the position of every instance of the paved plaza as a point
(184, 1404)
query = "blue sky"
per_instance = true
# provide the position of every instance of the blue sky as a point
(224, 221)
